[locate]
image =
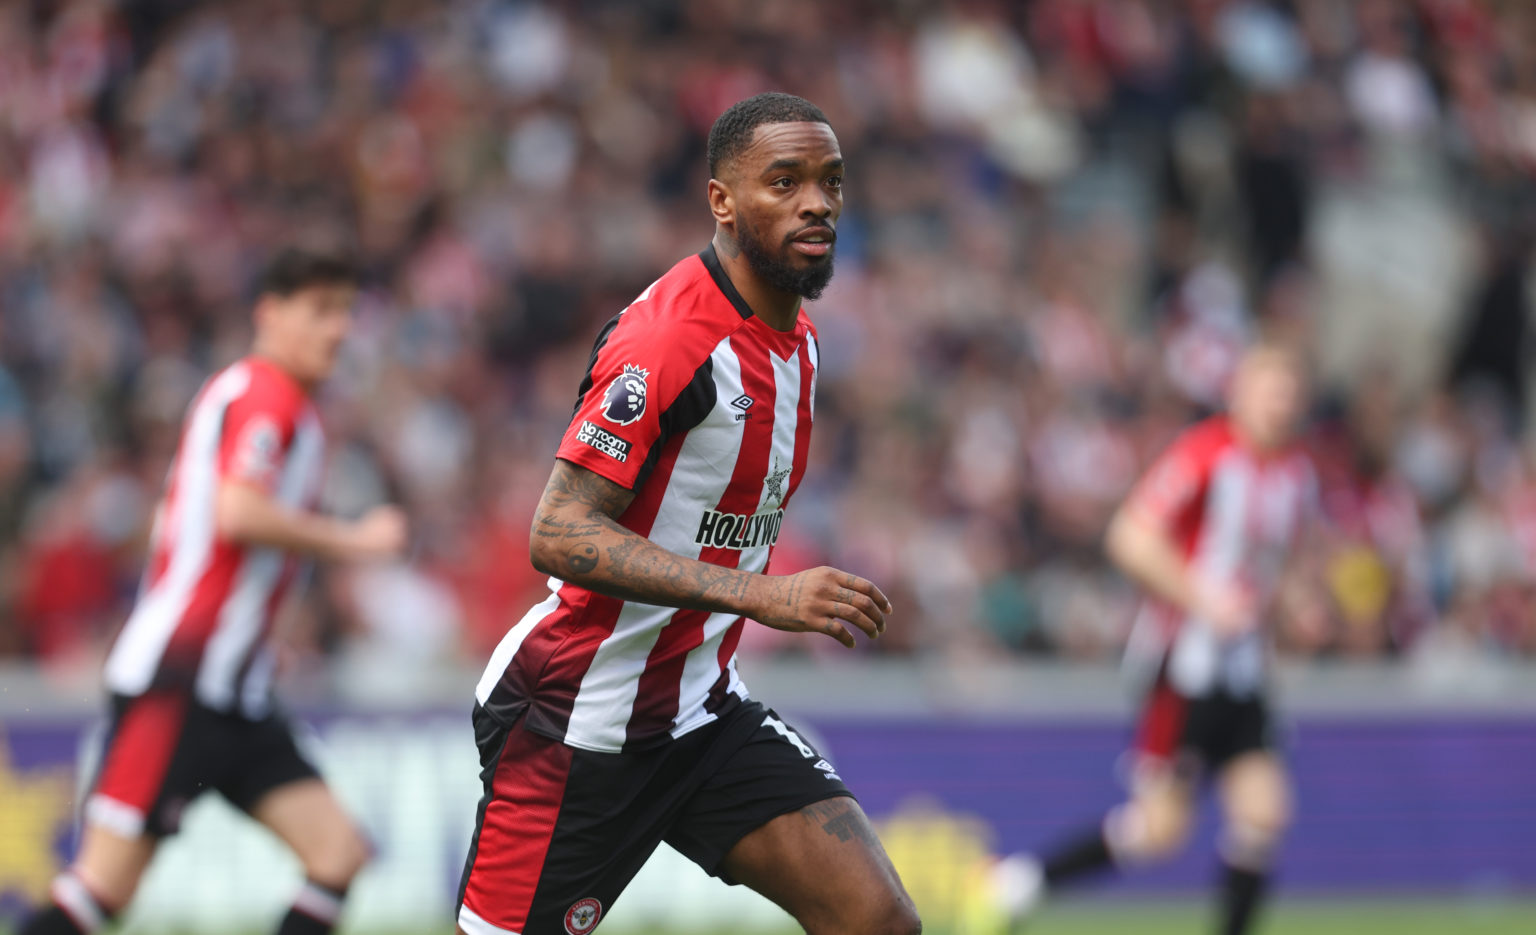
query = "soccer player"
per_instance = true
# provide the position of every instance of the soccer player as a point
(1208, 533)
(612, 717)
(190, 674)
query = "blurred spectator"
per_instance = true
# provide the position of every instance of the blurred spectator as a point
(1065, 220)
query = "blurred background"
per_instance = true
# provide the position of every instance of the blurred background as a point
(1064, 220)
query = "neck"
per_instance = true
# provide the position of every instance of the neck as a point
(1252, 442)
(276, 360)
(778, 310)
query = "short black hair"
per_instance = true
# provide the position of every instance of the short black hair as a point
(293, 269)
(733, 130)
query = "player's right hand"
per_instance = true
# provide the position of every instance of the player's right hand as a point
(381, 533)
(1229, 609)
(823, 600)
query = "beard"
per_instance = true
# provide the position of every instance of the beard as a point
(777, 271)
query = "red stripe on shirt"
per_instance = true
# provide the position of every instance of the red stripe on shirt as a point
(656, 700)
(802, 452)
(184, 652)
(802, 420)
(553, 660)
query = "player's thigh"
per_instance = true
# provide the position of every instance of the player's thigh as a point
(772, 813)
(306, 815)
(153, 763)
(265, 774)
(1255, 790)
(825, 866)
(111, 865)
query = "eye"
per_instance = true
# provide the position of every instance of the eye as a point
(835, 182)
(783, 183)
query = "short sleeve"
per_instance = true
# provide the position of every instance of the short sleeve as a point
(618, 421)
(257, 432)
(1173, 482)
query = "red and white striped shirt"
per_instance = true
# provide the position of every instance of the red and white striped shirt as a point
(207, 604)
(704, 411)
(1236, 515)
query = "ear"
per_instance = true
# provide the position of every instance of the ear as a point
(722, 204)
(266, 310)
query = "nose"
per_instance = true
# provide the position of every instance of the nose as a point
(819, 205)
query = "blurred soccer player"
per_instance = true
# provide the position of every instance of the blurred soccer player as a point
(190, 674)
(1208, 533)
(612, 718)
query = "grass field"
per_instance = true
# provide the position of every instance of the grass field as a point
(1403, 917)
(1399, 917)
(1406, 917)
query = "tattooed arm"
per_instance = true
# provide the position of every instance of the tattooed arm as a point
(576, 537)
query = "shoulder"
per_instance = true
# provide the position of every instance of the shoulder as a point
(255, 388)
(1176, 477)
(676, 322)
(1204, 442)
(1200, 443)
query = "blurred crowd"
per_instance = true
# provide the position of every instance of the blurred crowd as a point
(1064, 219)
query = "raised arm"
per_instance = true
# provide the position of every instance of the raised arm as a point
(576, 537)
(248, 515)
(1141, 546)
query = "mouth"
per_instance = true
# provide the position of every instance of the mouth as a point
(814, 241)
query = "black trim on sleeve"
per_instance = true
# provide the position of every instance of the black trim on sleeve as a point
(717, 273)
(689, 409)
(597, 348)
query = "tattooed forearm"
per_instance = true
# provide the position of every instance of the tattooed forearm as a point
(569, 484)
(786, 592)
(583, 559)
(576, 536)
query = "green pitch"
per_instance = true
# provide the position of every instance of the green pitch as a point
(1406, 917)
(1401, 917)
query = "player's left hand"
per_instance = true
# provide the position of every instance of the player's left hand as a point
(822, 600)
(381, 533)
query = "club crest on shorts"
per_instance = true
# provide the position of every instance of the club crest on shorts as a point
(625, 400)
(582, 917)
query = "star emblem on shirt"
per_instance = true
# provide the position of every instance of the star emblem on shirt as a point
(775, 482)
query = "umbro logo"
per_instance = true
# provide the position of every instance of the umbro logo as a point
(742, 403)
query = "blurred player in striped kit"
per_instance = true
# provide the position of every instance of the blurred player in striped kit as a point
(1208, 533)
(190, 674)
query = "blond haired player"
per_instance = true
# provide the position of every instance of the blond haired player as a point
(1207, 533)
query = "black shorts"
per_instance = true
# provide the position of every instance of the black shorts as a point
(560, 831)
(164, 749)
(1199, 735)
